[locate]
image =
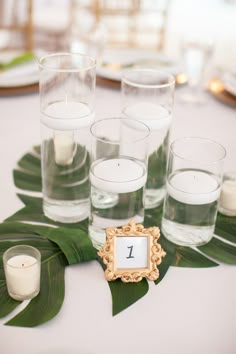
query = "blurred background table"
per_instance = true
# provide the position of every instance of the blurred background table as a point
(158, 24)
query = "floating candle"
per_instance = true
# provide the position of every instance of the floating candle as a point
(153, 115)
(67, 115)
(118, 175)
(193, 187)
(22, 273)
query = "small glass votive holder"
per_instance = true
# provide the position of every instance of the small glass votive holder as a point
(227, 204)
(22, 266)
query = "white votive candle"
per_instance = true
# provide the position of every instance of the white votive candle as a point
(228, 198)
(64, 148)
(193, 187)
(118, 175)
(22, 271)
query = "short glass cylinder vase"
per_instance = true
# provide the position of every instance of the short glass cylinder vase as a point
(118, 174)
(194, 176)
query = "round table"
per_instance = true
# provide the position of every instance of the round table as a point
(191, 311)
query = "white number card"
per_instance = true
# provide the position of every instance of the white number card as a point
(132, 253)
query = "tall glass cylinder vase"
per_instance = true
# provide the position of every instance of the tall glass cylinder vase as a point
(148, 96)
(67, 85)
(118, 174)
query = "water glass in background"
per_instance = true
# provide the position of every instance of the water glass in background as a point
(194, 175)
(148, 96)
(87, 34)
(118, 174)
(67, 85)
(196, 53)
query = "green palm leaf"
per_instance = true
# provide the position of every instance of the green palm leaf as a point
(59, 247)
(69, 244)
(125, 294)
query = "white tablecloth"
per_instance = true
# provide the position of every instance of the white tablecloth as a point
(191, 311)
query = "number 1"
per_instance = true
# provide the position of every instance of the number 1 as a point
(130, 252)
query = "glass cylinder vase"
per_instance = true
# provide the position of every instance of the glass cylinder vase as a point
(148, 96)
(194, 176)
(118, 174)
(67, 85)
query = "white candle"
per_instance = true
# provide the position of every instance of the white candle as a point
(64, 148)
(67, 115)
(153, 115)
(23, 276)
(228, 196)
(119, 175)
(193, 187)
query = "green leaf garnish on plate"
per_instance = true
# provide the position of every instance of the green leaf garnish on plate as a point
(18, 60)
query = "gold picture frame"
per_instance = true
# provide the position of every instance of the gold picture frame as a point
(149, 251)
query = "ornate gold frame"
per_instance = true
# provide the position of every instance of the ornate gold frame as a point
(154, 249)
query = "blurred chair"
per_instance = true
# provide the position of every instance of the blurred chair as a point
(129, 23)
(16, 24)
(51, 22)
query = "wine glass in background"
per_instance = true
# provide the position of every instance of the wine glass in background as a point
(196, 53)
(87, 34)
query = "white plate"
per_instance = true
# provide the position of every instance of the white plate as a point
(117, 60)
(20, 75)
(229, 81)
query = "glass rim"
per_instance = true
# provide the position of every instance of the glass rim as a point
(66, 54)
(169, 78)
(113, 158)
(120, 119)
(198, 139)
(37, 260)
